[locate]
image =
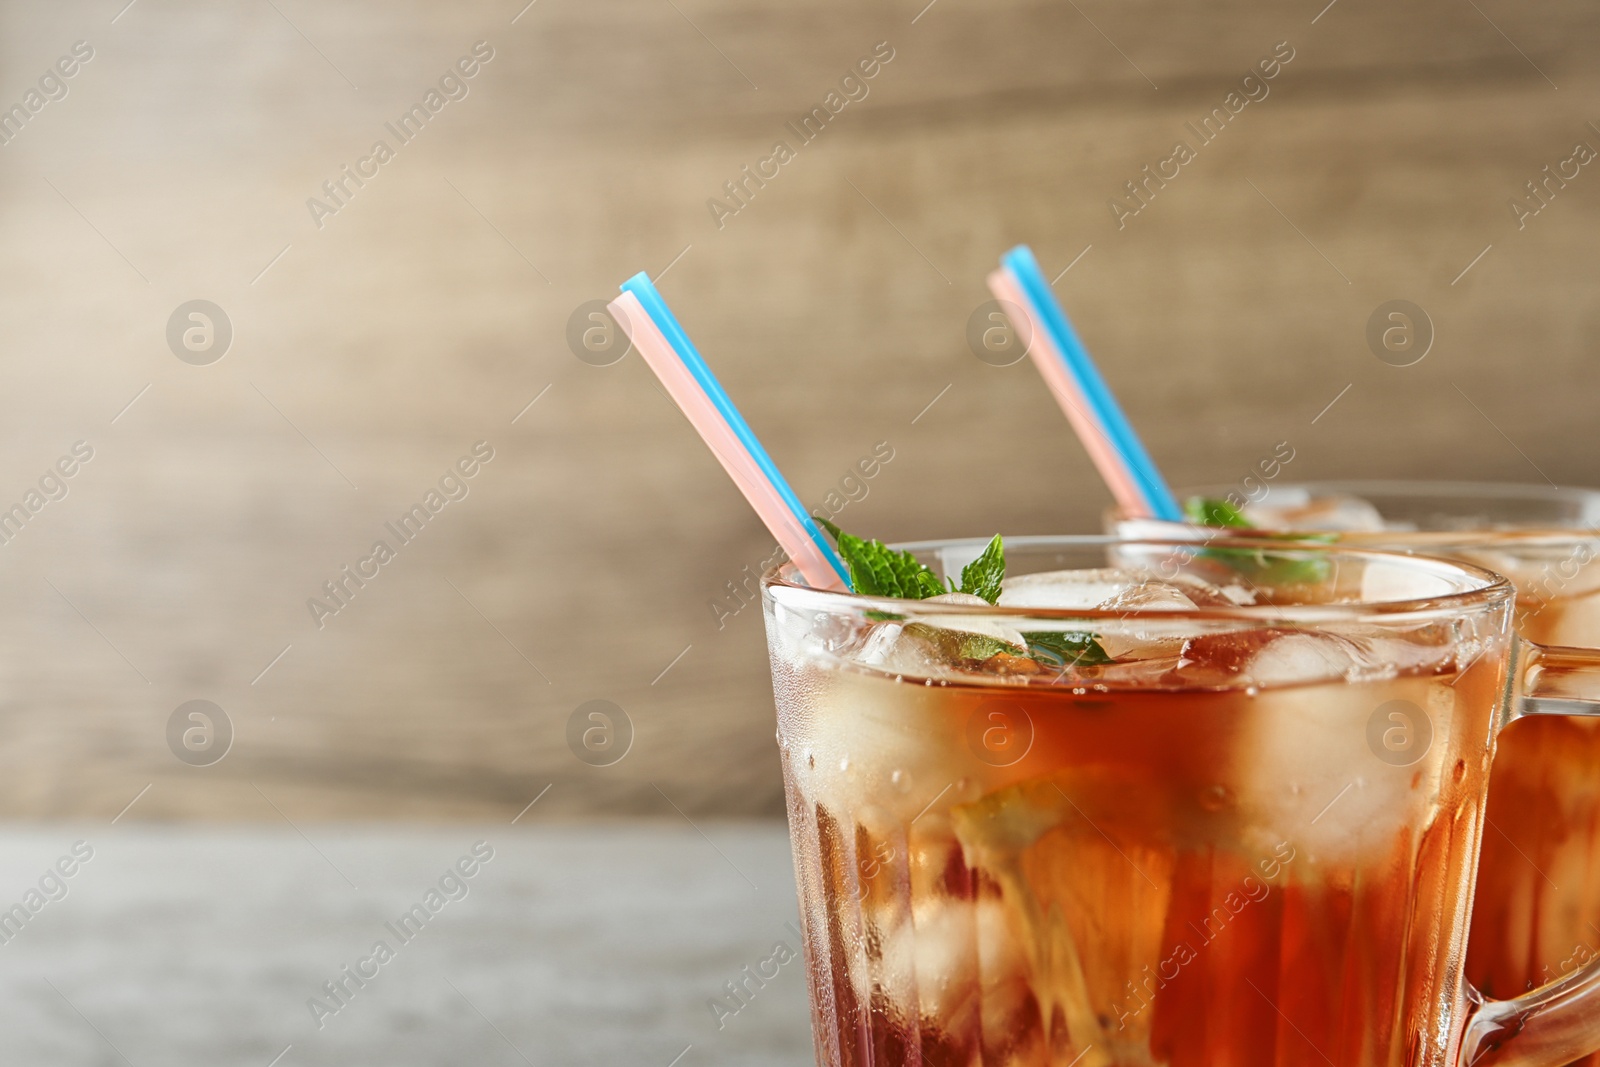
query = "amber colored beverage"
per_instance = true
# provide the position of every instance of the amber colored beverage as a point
(1150, 883)
(1537, 913)
(1242, 837)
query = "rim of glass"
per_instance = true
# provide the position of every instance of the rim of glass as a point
(1494, 588)
(1430, 487)
(1534, 535)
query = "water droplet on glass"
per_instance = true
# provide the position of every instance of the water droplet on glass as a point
(1215, 797)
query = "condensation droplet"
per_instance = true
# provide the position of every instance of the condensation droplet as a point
(1215, 797)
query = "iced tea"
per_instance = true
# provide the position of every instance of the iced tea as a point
(1245, 839)
(1537, 911)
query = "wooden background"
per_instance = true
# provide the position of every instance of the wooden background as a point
(434, 306)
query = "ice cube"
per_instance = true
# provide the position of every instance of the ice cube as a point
(1206, 575)
(1264, 656)
(1130, 590)
(895, 648)
(945, 953)
(1067, 589)
(941, 948)
(1295, 658)
(1142, 638)
(1136, 638)
(1206, 595)
(942, 647)
(1382, 582)
(1125, 644)
(1220, 658)
(1152, 594)
(968, 599)
(1381, 653)
(1273, 656)
(1178, 592)
(1308, 776)
(1332, 514)
(967, 624)
(881, 644)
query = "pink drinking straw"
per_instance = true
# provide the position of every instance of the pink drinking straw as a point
(1052, 368)
(1088, 402)
(803, 546)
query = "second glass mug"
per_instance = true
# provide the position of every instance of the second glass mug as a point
(1206, 849)
(1537, 908)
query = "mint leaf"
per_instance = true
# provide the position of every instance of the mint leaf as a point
(1205, 511)
(982, 577)
(1258, 565)
(962, 644)
(1064, 649)
(878, 570)
(1269, 568)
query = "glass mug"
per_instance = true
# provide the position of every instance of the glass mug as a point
(1537, 908)
(1204, 833)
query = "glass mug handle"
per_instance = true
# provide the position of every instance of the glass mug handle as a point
(1559, 1022)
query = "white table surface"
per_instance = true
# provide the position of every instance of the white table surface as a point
(576, 944)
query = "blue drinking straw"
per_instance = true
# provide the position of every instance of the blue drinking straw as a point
(684, 350)
(1023, 268)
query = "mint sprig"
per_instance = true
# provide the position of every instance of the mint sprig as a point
(1208, 511)
(1257, 565)
(878, 570)
(1261, 566)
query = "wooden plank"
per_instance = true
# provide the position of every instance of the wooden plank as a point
(429, 311)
